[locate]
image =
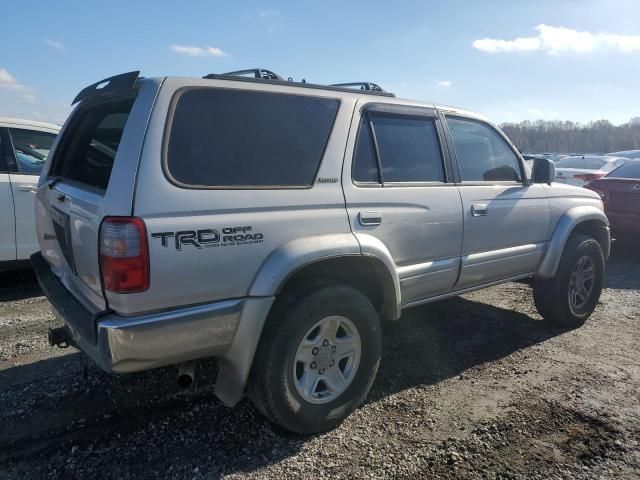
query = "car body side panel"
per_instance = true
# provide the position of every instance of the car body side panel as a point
(7, 225)
(185, 274)
(24, 193)
(510, 238)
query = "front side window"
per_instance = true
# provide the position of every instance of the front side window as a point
(246, 139)
(31, 148)
(408, 148)
(482, 154)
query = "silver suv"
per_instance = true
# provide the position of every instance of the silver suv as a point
(275, 225)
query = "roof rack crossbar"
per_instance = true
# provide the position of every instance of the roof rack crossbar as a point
(261, 73)
(374, 87)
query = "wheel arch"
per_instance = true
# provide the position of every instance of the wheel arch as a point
(362, 261)
(583, 219)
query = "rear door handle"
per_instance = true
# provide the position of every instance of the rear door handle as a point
(370, 218)
(28, 188)
(479, 209)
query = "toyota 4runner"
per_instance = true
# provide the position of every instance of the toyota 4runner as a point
(275, 225)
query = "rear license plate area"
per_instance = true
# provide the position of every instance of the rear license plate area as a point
(62, 227)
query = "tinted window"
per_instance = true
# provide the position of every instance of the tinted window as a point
(409, 149)
(31, 148)
(365, 168)
(628, 170)
(239, 138)
(589, 163)
(482, 154)
(91, 142)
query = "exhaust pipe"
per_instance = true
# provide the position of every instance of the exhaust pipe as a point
(59, 337)
(186, 373)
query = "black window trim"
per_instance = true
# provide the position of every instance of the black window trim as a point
(467, 183)
(5, 146)
(400, 111)
(185, 186)
(12, 167)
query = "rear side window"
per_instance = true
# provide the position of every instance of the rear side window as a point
(408, 148)
(628, 170)
(31, 148)
(90, 143)
(243, 139)
(589, 163)
(482, 154)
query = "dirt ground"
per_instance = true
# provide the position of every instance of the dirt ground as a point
(473, 387)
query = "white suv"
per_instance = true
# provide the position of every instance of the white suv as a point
(24, 146)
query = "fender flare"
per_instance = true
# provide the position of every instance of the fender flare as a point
(296, 254)
(290, 257)
(565, 226)
(235, 364)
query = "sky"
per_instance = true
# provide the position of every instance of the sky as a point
(510, 60)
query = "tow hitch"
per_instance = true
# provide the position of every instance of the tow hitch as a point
(59, 337)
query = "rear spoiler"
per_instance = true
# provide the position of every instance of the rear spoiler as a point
(117, 84)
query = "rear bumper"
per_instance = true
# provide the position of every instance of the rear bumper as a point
(135, 343)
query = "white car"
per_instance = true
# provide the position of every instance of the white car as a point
(630, 154)
(578, 170)
(24, 146)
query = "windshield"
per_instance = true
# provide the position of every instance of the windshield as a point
(588, 163)
(31, 148)
(628, 170)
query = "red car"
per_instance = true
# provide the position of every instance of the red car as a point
(620, 193)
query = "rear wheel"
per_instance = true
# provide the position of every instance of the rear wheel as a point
(317, 359)
(571, 296)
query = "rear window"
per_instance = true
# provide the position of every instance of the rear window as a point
(588, 163)
(90, 143)
(628, 170)
(244, 139)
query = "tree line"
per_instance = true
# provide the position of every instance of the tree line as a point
(560, 136)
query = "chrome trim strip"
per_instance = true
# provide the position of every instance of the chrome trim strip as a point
(418, 269)
(501, 254)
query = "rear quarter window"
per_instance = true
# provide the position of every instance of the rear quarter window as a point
(221, 138)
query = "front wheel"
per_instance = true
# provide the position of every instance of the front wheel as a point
(317, 359)
(571, 296)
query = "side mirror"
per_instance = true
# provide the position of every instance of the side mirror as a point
(544, 171)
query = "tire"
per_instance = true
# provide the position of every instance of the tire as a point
(296, 328)
(553, 296)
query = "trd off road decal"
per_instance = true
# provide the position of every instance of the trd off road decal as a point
(210, 237)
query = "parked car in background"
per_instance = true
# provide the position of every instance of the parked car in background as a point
(630, 154)
(620, 193)
(24, 146)
(578, 170)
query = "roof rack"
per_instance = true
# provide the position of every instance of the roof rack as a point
(268, 76)
(374, 87)
(262, 73)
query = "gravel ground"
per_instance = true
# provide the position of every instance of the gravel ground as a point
(473, 387)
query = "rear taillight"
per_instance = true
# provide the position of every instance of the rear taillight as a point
(587, 177)
(124, 255)
(591, 186)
